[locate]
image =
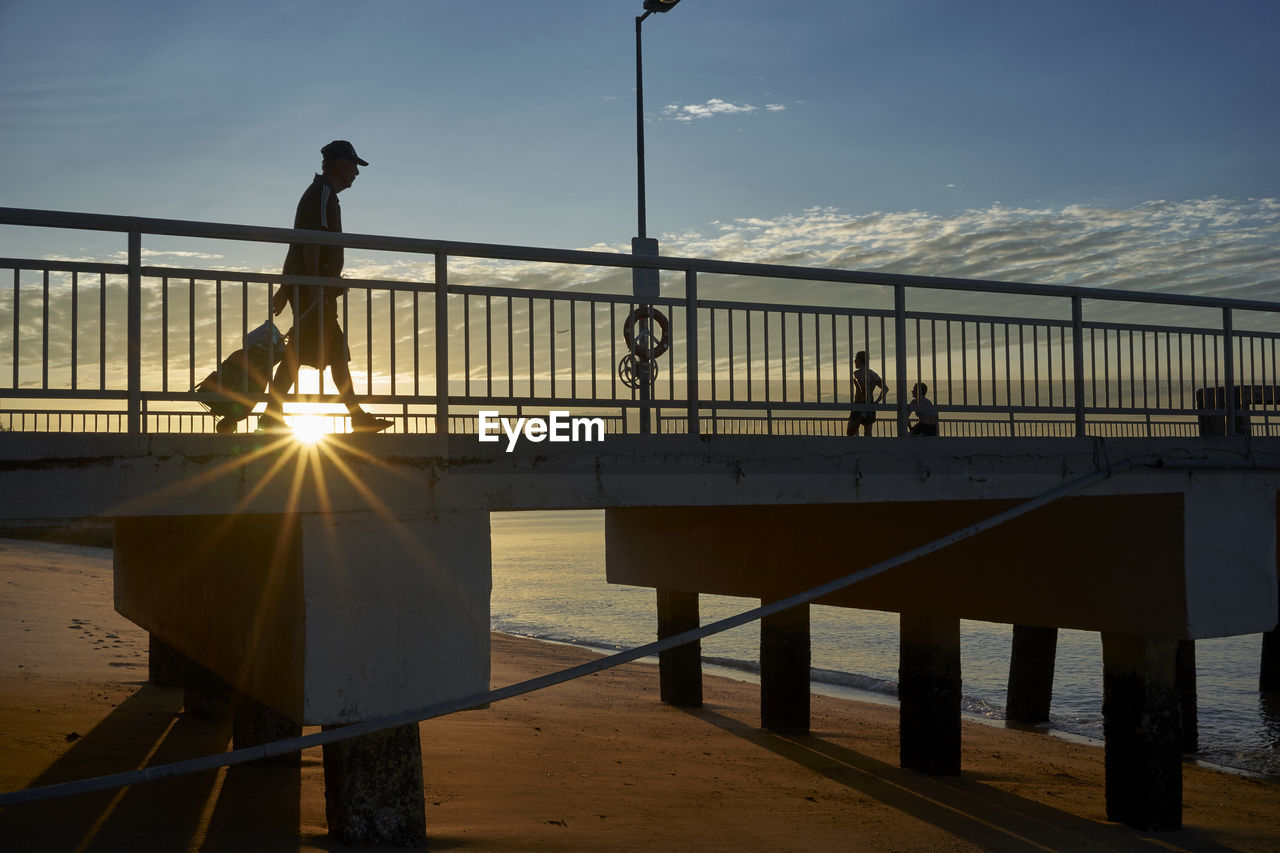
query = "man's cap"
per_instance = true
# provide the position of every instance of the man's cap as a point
(341, 149)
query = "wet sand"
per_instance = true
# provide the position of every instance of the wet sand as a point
(597, 764)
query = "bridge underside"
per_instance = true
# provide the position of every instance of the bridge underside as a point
(1114, 563)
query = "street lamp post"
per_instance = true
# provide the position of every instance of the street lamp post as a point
(644, 282)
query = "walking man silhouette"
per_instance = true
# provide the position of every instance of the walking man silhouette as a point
(317, 339)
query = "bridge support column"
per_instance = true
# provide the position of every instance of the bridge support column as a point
(1141, 712)
(1031, 666)
(206, 694)
(784, 671)
(255, 724)
(328, 618)
(1187, 696)
(373, 789)
(166, 666)
(1269, 667)
(679, 669)
(1269, 671)
(929, 693)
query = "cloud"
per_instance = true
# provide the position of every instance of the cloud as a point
(1209, 247)
(713, 107)
(1195, 247)
(1202, 246)
(154, 254)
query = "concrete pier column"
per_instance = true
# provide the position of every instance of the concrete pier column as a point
(784, 671)
(373, 789)
(1269, 671)
(1269, 667)
(166, 666)
(329, 618)
(929, 693)
(398, 614)
(679, 669)
(255, 724)
(1141, 712)
(1031, 666)
(206, 694)
(1187, 697)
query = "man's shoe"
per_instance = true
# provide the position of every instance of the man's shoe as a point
(365, 422)
(271, 423)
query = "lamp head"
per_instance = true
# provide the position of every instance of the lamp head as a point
(659, 5)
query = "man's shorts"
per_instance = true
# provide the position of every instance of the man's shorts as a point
(308, 338)
(859, 418)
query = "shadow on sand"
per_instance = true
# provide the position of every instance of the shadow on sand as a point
(963, 806)
(246, 807)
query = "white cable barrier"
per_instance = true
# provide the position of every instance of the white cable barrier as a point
(289, 745)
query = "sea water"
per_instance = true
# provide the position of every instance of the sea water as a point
(549, 583)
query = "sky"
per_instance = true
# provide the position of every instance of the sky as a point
(1132, 144)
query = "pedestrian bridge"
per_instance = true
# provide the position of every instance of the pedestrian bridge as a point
(1107, 460)
(111, 346)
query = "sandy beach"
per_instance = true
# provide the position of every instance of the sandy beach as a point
(596, 764)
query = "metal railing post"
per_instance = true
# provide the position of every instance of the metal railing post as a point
(691, 348)
(134, 351)
(1077, 360)
(1229, 369)
(442, 344)
(900, 354)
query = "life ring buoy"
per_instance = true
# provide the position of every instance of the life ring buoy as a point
(644, 346)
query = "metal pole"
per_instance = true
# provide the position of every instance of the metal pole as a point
(442, 345)
(900, 354)
(645, 394)
(691, 347)
(1077, 360)
(134, 368)
(1229, 369)
(640, 201)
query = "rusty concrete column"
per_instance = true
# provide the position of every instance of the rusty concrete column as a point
(1189, 712)
(1031, 665)
(166, 667)
(1140, 709)
(373, 789)
(929, 693)
(255, 724)
(784, 671)
(679, 669)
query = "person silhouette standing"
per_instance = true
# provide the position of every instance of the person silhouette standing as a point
(865, 382)
(317, 339)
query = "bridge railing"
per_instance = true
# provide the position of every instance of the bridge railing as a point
(756, 349)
